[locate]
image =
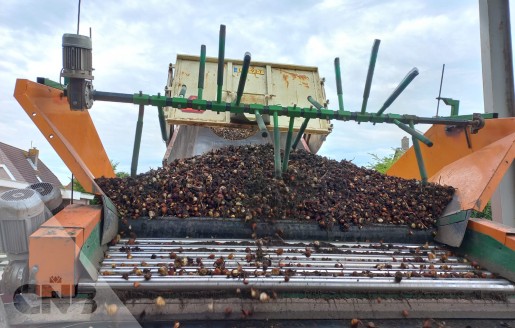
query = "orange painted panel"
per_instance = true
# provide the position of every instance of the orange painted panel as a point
(475, 172)
(450, 146)
(477, 175)
(55, 250)
(510, 242)
(500, 232)
(71, 133)
(77, 216)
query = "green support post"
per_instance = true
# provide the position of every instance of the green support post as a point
(287, 148)
(162, 123)
(414, 133)
(370, 75)
(201, 71)
(418, 154)
(137, 141)
(301, 132)
(339, 90)
(182, 93)
(400, 88)
(315, 103)
(243, 77)
(261, 124)
(306, 121)
(221, 59)
(277, 147)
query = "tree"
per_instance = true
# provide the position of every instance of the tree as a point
(78, 187)
(119, 174)
(382, 164)
(122, 175)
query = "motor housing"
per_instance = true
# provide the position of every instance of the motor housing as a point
(78, 70)
(21, 213)
(50, 195)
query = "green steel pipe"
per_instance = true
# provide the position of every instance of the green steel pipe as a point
(288, 111)
(221, 59)
(50, 83)
(243, 77)
(287, 148)
(277, 147)
(182, 93)
(162, 123)
(339, 90)
(261, 124)
(315, 103)
(370, 75)
(400, 88)
(201, 71)
(418, 154)
(301, 132)
(137, 141)
(414, 133)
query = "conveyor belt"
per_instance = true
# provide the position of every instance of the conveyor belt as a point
(331, 267)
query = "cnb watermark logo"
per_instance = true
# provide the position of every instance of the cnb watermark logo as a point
(24, 306)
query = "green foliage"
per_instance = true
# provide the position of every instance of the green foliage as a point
(382, 164)
(78, 187)
(485, 214)
(122, 175)
(119, 174)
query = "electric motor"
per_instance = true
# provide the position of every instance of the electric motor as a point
(21, 213)
(50, 194)
(78, 69)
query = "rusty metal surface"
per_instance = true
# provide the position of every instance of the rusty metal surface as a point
(267, 83)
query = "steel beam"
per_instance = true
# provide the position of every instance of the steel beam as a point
(496, 57)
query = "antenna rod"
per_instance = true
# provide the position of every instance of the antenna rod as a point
(440, 92)
(78, 19)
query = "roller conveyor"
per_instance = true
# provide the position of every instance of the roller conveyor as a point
(332, 267)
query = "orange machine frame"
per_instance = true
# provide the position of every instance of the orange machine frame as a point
(71, 133)
(475, 172)
(54, 249)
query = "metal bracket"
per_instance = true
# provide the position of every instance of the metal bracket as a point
(110, 218)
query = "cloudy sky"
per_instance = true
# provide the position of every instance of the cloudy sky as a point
(134, 42)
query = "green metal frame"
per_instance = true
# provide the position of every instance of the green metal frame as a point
(50, 83)
(370, 75)
(489, 252)
(418, 154)
(92, 252)
(338, 75)
(137, 141)
(201, 71)
(455, 105)
(292, 112)
(162, 123)
(317, 111)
